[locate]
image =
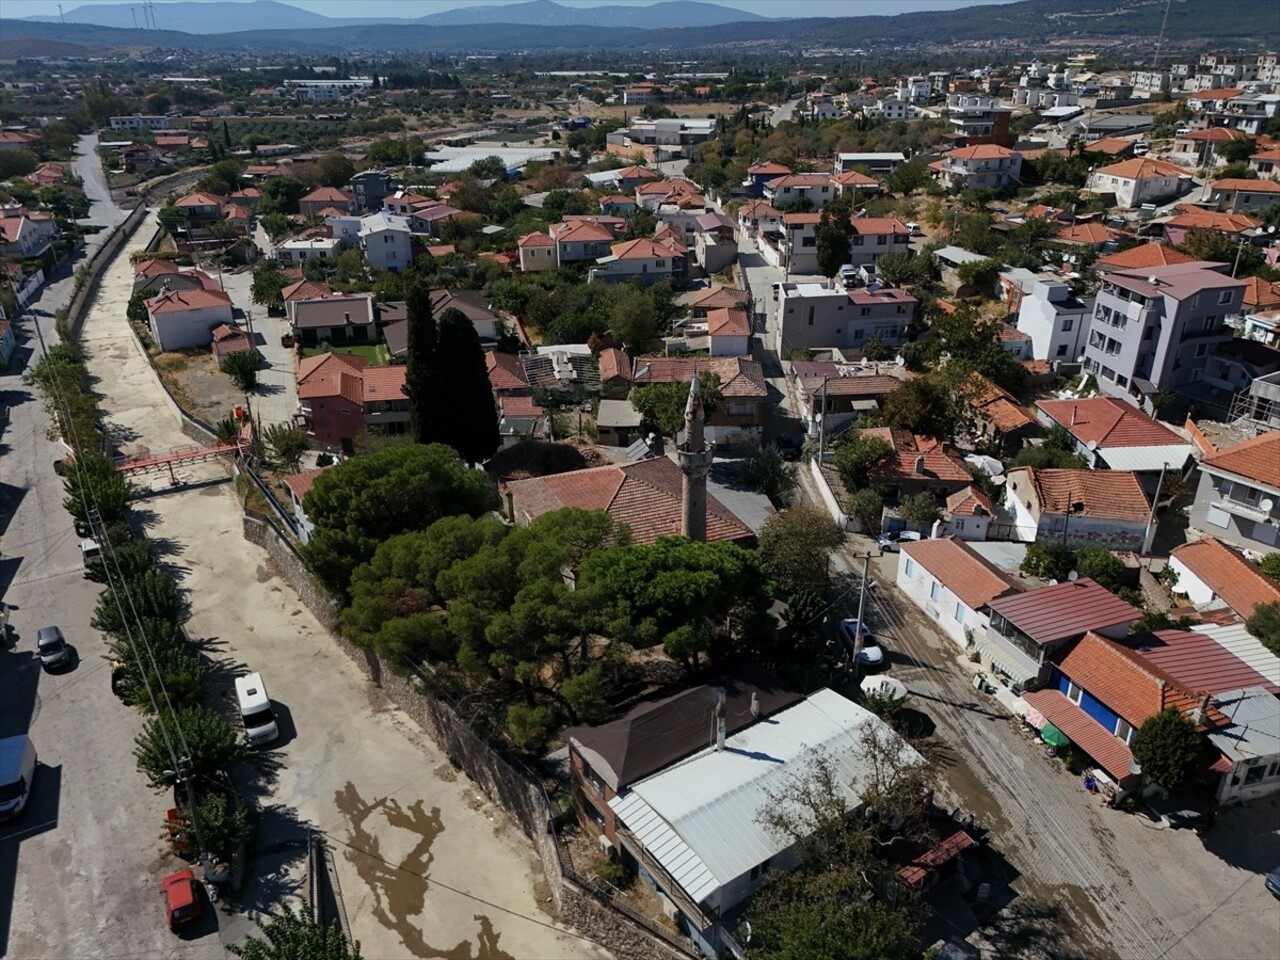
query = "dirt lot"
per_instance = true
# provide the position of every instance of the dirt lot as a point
(195, 380)
(696, 109)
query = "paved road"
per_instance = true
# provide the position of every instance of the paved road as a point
(1125, 888)
(79, 873)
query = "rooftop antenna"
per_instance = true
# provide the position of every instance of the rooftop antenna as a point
(1160, 40)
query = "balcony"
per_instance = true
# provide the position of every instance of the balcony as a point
(1239, 508)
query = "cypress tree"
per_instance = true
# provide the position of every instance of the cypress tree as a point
(420, 359)
(463, 399)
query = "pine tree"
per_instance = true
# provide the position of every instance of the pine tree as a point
(461, 394)
(420, 356)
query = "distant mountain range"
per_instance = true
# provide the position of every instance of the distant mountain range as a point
(220, 16)
(1025, 25)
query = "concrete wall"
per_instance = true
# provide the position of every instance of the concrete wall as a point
(1195, 589)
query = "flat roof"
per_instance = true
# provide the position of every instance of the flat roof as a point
(1254, 730)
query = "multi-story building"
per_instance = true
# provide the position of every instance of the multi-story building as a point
(877, 164)
(1056, 320)
(369, 187)
(816, 316)
(984, 165)
(977, 120)
(1239, 495)
(798, 188)
(1152, 329)
(143, 122)
(874, 237)
(387, 242)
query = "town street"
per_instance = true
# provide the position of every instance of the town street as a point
(80, 871)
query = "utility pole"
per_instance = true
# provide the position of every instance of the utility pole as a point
(1155, 502)
(1160, 40)
(822, 424)
(862, 604)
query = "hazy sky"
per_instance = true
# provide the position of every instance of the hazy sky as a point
(418, 8)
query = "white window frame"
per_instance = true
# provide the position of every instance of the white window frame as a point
(1074, 688)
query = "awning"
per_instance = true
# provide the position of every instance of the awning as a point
(1090, 736)
(1053, 736)
(1006, 664)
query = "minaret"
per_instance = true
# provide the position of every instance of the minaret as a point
(695, 461)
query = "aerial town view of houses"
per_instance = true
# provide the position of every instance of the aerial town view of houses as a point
(650, 481)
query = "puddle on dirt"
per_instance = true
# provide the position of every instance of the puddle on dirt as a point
(398, 888)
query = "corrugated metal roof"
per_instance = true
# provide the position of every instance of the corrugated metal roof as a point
(1244, 645)
(698, 818)
(1147, 458)
(1197, 662)
(1085, 732)
(1065, 610)
(1255, 724)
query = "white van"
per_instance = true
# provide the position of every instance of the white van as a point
(255, 710)
(17, 771)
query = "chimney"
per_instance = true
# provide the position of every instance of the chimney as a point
(1201, 713)
(511, 507)
(920, 465)
(1073, 414)
(719, 717)
(755, 705)
(346, 317)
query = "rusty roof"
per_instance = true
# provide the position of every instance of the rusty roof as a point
(1239, 583)
(937, 460)
(645, 495)
(1065, 610)
(739, 376)
(1257, 458)
(955, 565)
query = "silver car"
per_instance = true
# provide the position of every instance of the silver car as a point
(52, 647)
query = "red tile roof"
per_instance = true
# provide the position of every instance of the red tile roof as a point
(614, 363)
(961, 570)
(728, 323)
(1065, 610)
(1216, 135)
(981, 151)
(327, 195)
(1249, 186)
(201, 200)
(536, 240)
(300, 483)
(1085, 732)
(1142, 168)
(715, 297)
(1211, 220)
(645, 495)
(800, 180)
(1109, 423)
(1236, 581)
(519, 407)
(383, 383)
(1225, 93)
(739, 376)
(1113, 146)
(154, 268)
(1100, 494)
(306, 290)
(580, 232)
(505, 371)
(175, 301)
(640, 250)
(1088, 233)
(940, 462)
(1197, 661)
(997, 405)
(1255, 459)
(767, 167)
(1261, 294)
(1125, 681)
(1146, 255)
(331, 375)
(800, 219)
(852, 178)
(876, 226)
(970, 502)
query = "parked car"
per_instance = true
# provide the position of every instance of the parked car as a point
(52, 647)
(788, 447)
(915, 229)
(1273, 882)
(870, 654)
(17, 772)
(891, 541)
(181, 899)
(1141, 149)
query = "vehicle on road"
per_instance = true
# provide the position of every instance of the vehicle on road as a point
(915, 229)
(788, 447)
(17, 771)
(891, 541)
(1141, 149)
(52, 647)
(255, 710)
(869, 652)
(181, 899)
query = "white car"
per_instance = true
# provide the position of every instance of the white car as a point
(915, 229)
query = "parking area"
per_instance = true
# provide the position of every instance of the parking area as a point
(1106, 882)
(427, 866)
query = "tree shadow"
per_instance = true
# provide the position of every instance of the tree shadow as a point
(274, 873)
(1246, 836)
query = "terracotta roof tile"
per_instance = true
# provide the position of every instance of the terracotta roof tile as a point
(505, 371)
(525, 407)
(645, 495)
(957, 567)
(1141, 168)
(876, 226)
(1249, 186)
(1123, 680)
(728, 323)
(1211, 220)
(970, 502)
(1236, 581)
(739, 376)
(1261, 294)
(154, 268)
(1146, 255)
(1100, 494)
(176, 301)
(383, 383)
(327, 195)
(715, 297)
(981, 151)
(300, 483)
(1113, 146)
(941, 462)
(1088, 233)
(1255, 459)
(1109, 422)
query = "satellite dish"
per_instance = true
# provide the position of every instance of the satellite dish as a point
(1267, 504)
(1092, 445)
(1053, 583)
(1073, 576)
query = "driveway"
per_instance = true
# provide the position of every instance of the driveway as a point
(80, 871)
(1114, 883)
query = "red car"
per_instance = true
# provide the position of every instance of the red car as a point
(181, 898)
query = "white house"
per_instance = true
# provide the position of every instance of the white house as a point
(1138, 181)
(299, 484)
(1212, 576)
(645, 260)
(1056, 320)
(968, 515)
(952, 584)
(298, 252)
(1250, 743)
(387, 242)
(185, 318)
(982, 165)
